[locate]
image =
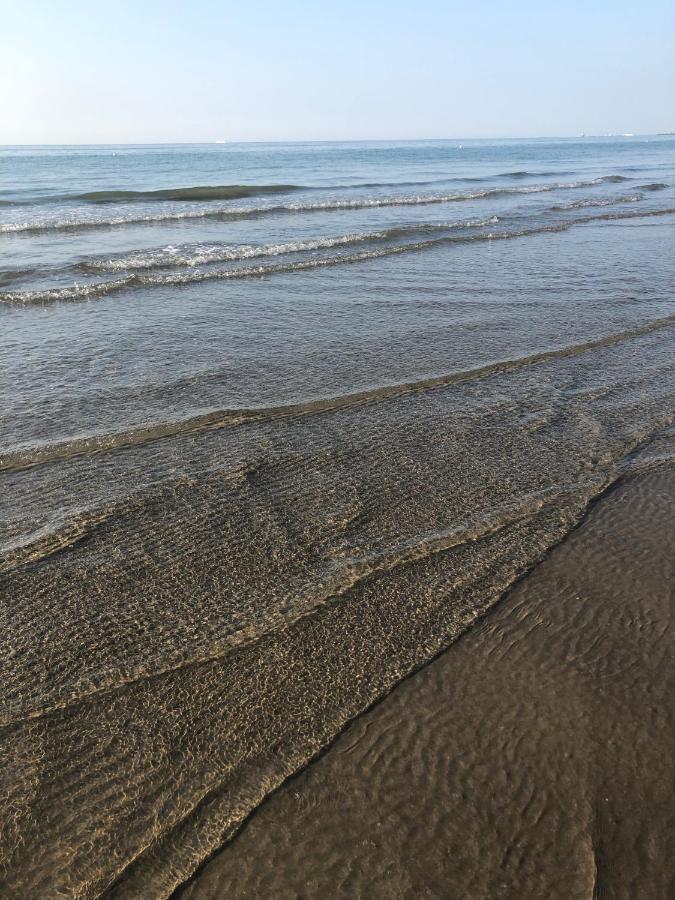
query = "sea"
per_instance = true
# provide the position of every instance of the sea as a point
(279, 423)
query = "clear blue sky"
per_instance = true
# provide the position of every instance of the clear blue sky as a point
(74, 71)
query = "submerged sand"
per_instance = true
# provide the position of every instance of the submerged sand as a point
(533, 759)
(227, 601)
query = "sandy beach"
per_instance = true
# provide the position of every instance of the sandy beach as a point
(296, 445)
(532, 759)
(337, 451)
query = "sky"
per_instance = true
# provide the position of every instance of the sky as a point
(202, 70)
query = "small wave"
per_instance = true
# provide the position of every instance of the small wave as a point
(198, 193)
(361, 185)
(192, 255)
(458, 178)
(599, 201)
(628, 214)
(241, 191)
(653, 186)
(203, 254)
(421, 200)
(223, 418)
(79, 292)
(207, 192)
(228, 213)
(65, 294)
(524, 174)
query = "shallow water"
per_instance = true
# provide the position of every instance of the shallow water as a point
(527, 761)
(349, 266)
(262, 456)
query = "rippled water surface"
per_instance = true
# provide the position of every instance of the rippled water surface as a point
(280, 422)
(257, 275)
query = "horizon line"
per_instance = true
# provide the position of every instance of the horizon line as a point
(580, 136)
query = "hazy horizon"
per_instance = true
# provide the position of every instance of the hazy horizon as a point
(347, 140)
(157, 73)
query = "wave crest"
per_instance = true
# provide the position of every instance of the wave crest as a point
(206, 192)
(331, 205)
(95, 290)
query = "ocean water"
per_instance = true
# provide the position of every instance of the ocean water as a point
(261, 275)
(279, 423)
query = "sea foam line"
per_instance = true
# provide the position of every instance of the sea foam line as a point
(289, 208)
(191, 255)
(80, 292)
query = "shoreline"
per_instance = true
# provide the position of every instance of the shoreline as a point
(266, 461)
(164, 769)
(526, 760)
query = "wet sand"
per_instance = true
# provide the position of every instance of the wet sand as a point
(197, 637)
(533, 759)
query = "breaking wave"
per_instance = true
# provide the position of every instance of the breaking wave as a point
(90, 291)
(192, 255)
(598, 202)
(76, 223)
